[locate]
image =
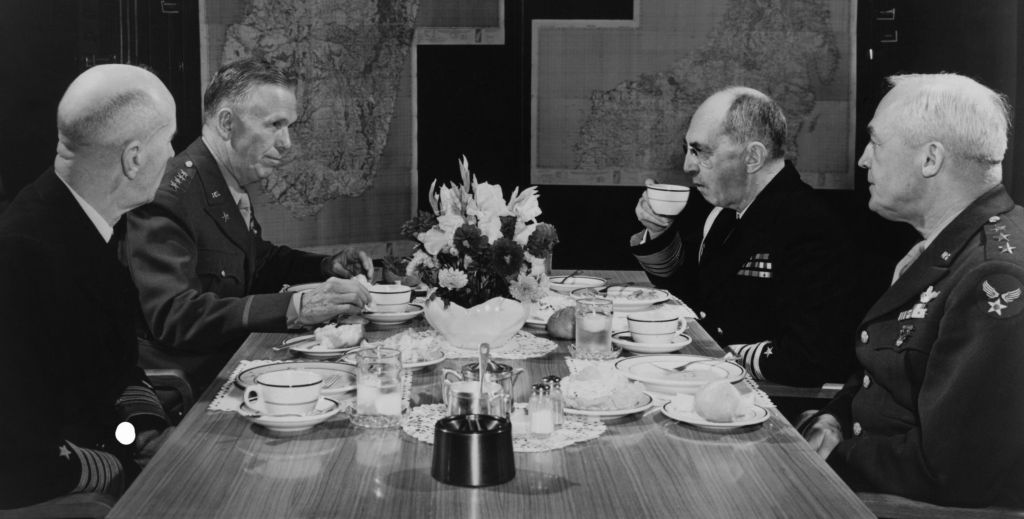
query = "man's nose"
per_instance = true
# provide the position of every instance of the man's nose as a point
(690, 164)
(863, 161)
(284, 140)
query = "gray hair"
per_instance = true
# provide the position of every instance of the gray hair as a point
(753, 116)
(235, 81)
(968, 118)
(114, 121)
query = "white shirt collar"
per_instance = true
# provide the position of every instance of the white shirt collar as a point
(105, 229)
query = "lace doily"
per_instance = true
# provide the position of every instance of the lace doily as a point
(522, 345)
(419, 423)
(229, 397)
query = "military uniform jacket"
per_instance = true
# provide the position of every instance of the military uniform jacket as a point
(782, 276)
(938, 412)
(205, 281)
(69, 371)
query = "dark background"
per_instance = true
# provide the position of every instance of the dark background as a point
(46, 43)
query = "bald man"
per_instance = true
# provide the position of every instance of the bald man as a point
(937, 412)
(69, 375)
(758, 255)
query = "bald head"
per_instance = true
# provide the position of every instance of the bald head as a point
(108, 106)
(748, 115)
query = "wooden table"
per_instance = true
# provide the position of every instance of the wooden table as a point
(217, 464)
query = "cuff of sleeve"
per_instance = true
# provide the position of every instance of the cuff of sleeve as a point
(661, 256)
(140, 406)
(750, 356)
(325, 266)
(294, 310)
(100, 471)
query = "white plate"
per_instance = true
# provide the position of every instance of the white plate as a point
(558, 283)
(754, 415)
(536, 323)
(346, 382)
(626, 298)
(704, 370)
(613, 412)
(411, 311)
(325, 408)
(308, 346)
(438, 358)
(624, 339)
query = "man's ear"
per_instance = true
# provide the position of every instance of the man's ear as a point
(933, 156)
(131, 159)
(757, 156)
(224, 123)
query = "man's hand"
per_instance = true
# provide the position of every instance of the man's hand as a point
(351, 262)
(148, 442)
(656, 225)
(331, 298)
(824, 434)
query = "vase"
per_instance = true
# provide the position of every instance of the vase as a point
(494, 321)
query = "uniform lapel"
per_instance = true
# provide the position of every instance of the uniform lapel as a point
(218, 203)
(934, 262)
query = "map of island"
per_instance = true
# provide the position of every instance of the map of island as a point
(348, 56)
(613, 99)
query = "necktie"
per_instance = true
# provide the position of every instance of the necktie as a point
(719, 233)
(908, 260)
(245, 207)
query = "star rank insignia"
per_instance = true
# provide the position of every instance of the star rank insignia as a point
(65, 452)
(179, 177)
(1002, 237)
(225, 216)
(1006, 248)
(768, 352)
(999, 228)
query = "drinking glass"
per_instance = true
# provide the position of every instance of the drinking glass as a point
(593, 329)
(378, 388)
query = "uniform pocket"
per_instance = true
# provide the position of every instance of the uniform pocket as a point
(222, 272)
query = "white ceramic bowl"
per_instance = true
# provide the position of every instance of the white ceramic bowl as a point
(566, 284)
(494, 322)
(384, 295)
(667, 199)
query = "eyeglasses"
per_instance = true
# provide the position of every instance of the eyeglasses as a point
(703, 156)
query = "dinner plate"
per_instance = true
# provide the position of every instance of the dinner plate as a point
(325, 408)
(625, 298)
(701, 371)
(412, 310)
(308, 346)
(346, 374)
(437, 358)
(754, 415)
(624, 339)
(610, 413)
(566, 284)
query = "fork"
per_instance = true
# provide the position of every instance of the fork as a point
(330, 381)
(680, 368)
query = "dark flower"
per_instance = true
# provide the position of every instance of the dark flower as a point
(506, 257)
(469, 240)
(508, 226)
(543, 239)
(422, 222)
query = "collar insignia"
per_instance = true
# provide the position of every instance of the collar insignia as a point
(224, 216)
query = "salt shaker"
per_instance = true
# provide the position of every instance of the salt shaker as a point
(542, 423)
(554, 383)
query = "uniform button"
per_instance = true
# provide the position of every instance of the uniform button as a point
(720, 332)
(188, 163)
(867, 381)
(703, 315)
(223, 274)
(864, 336)
(994, 219)
(857, 429)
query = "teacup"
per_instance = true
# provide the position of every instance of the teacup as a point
(654, 327)
(390, 298)
(289, 391)
(667, 199)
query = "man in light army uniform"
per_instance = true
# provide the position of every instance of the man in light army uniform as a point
(936, 412)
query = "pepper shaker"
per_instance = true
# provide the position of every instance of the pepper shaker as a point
(554, 383)
(542, 422)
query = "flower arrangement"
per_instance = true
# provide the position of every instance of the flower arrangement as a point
(474, 246)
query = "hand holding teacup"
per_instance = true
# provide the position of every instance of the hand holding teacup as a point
(332, 298)
(659, 205)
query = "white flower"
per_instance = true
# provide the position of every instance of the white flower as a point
(420, 260)
(449, 200)
(523, 232)
(442, 234)
(453, 279)
(537, 265)
(526, 288)
(526, 205)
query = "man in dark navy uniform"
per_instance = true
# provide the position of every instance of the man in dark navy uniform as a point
(206, 276)
(758, 255)
(937, 412)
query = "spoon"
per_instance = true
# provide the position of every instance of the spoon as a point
(485, 350)
(574, 274)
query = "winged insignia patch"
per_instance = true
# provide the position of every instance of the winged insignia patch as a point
(1000, 303)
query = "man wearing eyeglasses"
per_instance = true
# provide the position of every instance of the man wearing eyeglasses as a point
(758, 255)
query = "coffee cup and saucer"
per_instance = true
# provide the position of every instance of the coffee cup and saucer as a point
(287, 401)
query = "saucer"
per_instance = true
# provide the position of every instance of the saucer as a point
(614, 413)
(346, 374)
(412, 310)
(624, 339)
(308, 346)
(325, 408)
(674, 410)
